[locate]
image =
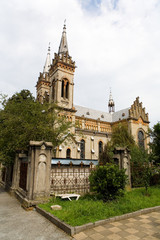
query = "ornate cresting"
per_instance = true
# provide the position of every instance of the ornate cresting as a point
(136, 111)
(64, 61)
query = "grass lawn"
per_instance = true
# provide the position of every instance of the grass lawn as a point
(87, 209)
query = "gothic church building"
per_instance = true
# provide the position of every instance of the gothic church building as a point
(94, 128)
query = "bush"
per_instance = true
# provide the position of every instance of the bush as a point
(155, 178)
(108, 181)
(140, 167)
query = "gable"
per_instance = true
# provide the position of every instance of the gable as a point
(138, 112)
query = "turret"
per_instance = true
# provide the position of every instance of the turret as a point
(111, 105)
(43, 84)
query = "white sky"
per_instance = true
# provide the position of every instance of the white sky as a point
(115, 43)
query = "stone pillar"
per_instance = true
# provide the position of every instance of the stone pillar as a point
(122, 158)
(15, 179)
(16, 170)
(39, 170)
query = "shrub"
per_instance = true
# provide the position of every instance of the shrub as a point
(140, 167)
(108, 181)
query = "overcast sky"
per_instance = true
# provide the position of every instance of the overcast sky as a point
(115, 44)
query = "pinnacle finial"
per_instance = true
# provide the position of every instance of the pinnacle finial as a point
(49, 48)
(111, 104)
(48, 61)
(64, 27)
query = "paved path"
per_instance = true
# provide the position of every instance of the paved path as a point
(146, 227)
(18, 224)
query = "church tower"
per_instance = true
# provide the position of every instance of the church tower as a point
(111, 105)
(62, 76)
(43, 84)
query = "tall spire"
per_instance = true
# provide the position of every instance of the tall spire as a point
(48, 61)
(63, 48)
(111, 105)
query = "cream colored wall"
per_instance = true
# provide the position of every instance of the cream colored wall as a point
(91, 142)
(60, 74)
(71, 144)
(135, 127)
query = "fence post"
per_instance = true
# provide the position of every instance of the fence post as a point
(15, 179)
(122, 158)
(39, 170)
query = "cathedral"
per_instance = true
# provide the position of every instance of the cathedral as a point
(92, 129)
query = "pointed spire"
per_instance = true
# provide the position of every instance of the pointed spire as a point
(48, 61)
(111, 105)
(63, 48)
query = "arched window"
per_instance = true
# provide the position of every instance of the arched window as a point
(67, 89)
(53, 89)
(141, 139)
(82, 154)
(100, 147)
(68, 153)
(62, 90)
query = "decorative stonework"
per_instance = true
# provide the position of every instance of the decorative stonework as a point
(63, 61)
(136, 111)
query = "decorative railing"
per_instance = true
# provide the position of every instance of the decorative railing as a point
(70, 178)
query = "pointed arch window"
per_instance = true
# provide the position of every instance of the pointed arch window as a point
(100, 147)
(141, 139)
(53, 89)
(82, 147)
(65, 89)
(68, 153)
(62, 89)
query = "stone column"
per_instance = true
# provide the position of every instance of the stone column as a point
(122, 158)
(39, 170)
(15, 179)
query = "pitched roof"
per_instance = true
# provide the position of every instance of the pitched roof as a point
(100, 115)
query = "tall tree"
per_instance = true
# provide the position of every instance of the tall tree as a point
(22, 119)
(155, 143)
(121, 136)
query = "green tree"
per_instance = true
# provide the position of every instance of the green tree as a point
(107, 154)
(108, 181)
(155, 144)
(22, 119)
(140, 167)
(121, 137)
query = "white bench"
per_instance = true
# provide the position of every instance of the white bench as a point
(68, 196)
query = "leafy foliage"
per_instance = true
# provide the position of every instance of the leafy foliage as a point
(121, 136)
(22, 119)
(107, 154)
(155, 144)
(141, 168)
(108, 181)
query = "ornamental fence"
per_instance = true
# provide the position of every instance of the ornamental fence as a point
(70, 178)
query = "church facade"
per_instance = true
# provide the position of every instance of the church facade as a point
(92, 129)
